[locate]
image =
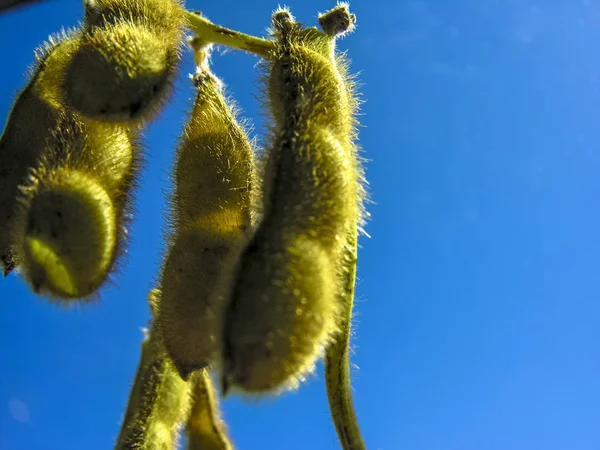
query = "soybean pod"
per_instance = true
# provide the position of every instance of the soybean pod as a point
(211, 214)
(287, 279)
(75, 207)
(35, 113)
(159, 400)
(128, 59)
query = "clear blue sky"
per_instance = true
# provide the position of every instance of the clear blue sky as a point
(478, 312)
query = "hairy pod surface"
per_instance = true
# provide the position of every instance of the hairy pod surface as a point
(211, 219)
(214, 168)
(163, 16)
(35, 113)
(195, 274)
(70, 234)
(205, 429)
(75, 206)
(273, 341)
(286, 279)
(158, 403)
(128, 59)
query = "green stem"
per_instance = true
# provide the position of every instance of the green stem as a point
(337, 363)
(209, 32)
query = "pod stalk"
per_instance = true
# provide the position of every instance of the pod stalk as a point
(210, 32)
(337, 365)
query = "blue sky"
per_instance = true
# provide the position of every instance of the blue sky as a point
(477, 314)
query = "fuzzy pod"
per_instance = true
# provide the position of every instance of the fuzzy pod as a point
(74, 209)
(211, 219)
(163, 16)
(205, 428)
(311, 91)
(158, 403)
(214, 164)
(35, 113)
(128, 59)
(281, 314)
(286, 280)
(69, 236)
(195, 275)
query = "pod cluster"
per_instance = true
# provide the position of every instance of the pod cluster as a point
(257, 280)
(67, 186)
(258, 298)
(68, 167)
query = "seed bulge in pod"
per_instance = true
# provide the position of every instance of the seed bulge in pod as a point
(33, 117)
(212, 209)
(280, 315)
(286, 279)
(70, 235)
(123, 72)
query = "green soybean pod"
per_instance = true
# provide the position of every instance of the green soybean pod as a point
(73, 212)
(160, 15)
(69, 234)
(211, 219)
(337, 354)
(158, 403)
(205, 430)
(287, 278)
(286, 281)
(35, 113)
(128, 59)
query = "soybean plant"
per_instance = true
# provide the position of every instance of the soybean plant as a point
(257, 280)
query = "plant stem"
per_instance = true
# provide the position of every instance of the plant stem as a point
(337, 363)
(209, 32)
